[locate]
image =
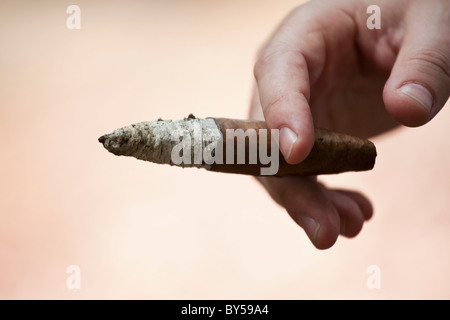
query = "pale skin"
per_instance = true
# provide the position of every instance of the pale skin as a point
(323, 67)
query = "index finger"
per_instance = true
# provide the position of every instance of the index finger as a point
(293, 58)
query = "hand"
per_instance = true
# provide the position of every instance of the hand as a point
(324, 67)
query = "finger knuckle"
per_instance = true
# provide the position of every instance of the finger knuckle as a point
(262, 62)
(435, 59)
(271, 107)
(285, 196)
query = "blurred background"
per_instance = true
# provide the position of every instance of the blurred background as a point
(142, 231)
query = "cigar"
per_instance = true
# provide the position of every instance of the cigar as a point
(236, 146)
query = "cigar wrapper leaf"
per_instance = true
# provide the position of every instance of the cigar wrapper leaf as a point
(154, 141)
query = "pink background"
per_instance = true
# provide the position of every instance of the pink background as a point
(140, 230)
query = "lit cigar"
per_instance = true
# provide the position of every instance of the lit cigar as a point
(236, 146)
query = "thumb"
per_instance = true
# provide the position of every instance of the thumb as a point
(419, 84)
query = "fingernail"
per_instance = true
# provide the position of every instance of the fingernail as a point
(418, 93)
(287, 140)
(311, 227)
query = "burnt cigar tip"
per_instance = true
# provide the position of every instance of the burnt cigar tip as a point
(102, 139)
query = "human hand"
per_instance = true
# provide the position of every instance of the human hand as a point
(324, 67)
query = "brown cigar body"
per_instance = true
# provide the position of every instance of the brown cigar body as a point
(332, 153)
